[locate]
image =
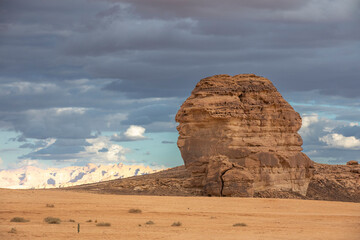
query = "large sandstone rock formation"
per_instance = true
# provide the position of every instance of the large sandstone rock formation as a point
(238, 136)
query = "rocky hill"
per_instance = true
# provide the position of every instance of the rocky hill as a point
(330, 182)
(335, 182)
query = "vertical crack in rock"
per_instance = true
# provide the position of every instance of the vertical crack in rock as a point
(222, 180)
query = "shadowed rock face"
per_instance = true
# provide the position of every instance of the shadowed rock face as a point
(238, 136)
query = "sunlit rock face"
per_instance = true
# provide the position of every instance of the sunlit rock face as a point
(238, 136)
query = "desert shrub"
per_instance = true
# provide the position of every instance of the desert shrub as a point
(103, 224)
(13, 230)
(50, 205)
(176, 224)
(89, 220)
(71, 220)
(150, 222)
(135, 210)
(52, 220)
(19, 219)
(239, 225)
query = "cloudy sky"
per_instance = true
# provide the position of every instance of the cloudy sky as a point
(101, 80)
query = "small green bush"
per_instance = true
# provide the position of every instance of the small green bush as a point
(135, 210)
(19, 219)
(50, 205)
(150, 222)
(176, 224)
(52, 220)
(239, 225)
(103, 224)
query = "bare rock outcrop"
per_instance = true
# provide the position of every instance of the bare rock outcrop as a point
(329, 182)
(335, 183)
(238, 136)
(352, 162)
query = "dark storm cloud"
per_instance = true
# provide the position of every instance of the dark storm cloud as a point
(207, 8)
(20, 138)
(301, 45)
(35, 145)
(173, 44)
(335, 107)
(70, 109)
(151, 113)
(349, 131)
(55, 123)
(61, 149)
(103, 150)
(72, 69)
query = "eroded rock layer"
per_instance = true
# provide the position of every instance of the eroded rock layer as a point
(238, 136)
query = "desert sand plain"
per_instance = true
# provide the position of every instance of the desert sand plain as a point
(201, 217)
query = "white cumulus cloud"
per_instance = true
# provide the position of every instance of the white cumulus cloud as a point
(133, 133)
(309, 119)
(307, 122)
(101, 150)
(336, 140)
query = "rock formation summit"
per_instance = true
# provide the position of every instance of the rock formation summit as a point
(238, 137)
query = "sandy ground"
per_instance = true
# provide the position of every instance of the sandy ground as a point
(201, 217)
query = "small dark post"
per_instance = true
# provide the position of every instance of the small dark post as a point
(78, 227)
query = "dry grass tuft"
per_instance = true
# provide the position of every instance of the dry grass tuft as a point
(19, 219)
(135, 210)
(103, 224)
(52, 220)
(150, 222)
(239, 225)
(176, 224)
(50, 205)
(13, 230)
